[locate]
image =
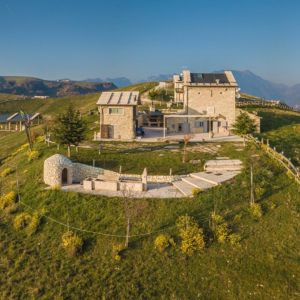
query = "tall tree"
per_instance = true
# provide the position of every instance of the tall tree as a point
(69, 128)
(244, 125)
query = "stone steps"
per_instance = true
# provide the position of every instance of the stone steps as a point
(196, 183)
(215, 178)
(223, 168)
(185, 188)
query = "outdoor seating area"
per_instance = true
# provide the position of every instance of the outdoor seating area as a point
(116, 183)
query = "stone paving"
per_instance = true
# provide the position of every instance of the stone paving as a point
(154, 191)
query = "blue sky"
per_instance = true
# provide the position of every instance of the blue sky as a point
(53, 39)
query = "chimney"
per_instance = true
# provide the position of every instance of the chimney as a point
(217, 81)
(152, 107)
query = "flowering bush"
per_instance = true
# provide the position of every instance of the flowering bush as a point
(255, 210)
(197, 191)
(220, 229)
(192, 236)
(33, 155)
(8, 200)
(6, 172)
(163, 241)
(22, 220)
(72, 243)
(235, 239)
(116, 252)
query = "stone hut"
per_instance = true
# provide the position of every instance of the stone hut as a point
(58, 170)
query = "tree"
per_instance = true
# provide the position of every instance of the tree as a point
(69, 128)
(244, 125)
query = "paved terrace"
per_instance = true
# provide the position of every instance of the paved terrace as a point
(153, 133)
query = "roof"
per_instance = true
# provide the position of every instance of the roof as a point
(3, 118)
(118, 98)
(208, 78)
(57, 159)
(154, 113)
(17, 117)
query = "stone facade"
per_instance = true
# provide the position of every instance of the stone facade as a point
(209, 96)
(120, 126)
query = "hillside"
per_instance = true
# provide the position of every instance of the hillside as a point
(30, 86)
(264, 266)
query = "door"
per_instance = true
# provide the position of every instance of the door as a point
(64, 176)
(104, 131)
(215, 127)
(186, 127)
(205, 125)
(110, 131)
(180, 127)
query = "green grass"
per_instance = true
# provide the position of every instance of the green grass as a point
(9, 96)
(280, 128)
(266, 266)
(140, 87)
(37, 267)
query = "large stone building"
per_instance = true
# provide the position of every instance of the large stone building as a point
(118, 115)
(208, 101)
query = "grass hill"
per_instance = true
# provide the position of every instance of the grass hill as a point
(30, 86)
(264, 265)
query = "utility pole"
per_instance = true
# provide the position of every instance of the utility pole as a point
(251, 184)
(127, 233)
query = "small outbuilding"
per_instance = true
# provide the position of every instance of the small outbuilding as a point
(58, 170)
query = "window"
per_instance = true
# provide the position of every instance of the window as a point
(199, 75)
(116, 111)
(199, 124)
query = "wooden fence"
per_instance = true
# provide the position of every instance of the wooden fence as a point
(286, 162)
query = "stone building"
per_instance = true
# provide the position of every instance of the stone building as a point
(208, 101)
(118, 115)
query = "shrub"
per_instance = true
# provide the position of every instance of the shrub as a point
(72, 243)
(22, 220)
(116, 252)
(197, 191)
(163, 241)
(34, 135)
(255, 210)
(8, 200)
(220, 229)
(34, 223)
(33, 155)
(56, 188)
(6, 172)
(235, 239)
(259, 191)
(192, 236)
(40, 138)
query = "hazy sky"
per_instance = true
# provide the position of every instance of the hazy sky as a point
(53, 39)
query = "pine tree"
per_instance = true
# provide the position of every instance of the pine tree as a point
(244, 125)
(69, 128)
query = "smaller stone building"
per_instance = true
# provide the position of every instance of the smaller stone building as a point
(118, 115)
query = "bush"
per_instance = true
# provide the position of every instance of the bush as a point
(56, 188)
(192, 236)
(255, 210)
(72, 243)
(34, 223)
(22, 220)
(33, 155)
(116, 252)
(6, 172)
(8, 200)
(34, 135)
(235, 239)
(220, 229)
(163, 241)
(197, 191)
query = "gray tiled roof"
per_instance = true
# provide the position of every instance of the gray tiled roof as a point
(3, 118)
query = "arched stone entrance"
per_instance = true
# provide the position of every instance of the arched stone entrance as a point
(64, 176)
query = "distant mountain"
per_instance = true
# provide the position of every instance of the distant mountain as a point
(255, 85)
(159, 77)
(31, 86)
(119, 82)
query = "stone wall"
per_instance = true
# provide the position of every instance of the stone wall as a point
(81, 172)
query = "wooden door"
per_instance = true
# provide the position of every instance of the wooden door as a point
(104, 131)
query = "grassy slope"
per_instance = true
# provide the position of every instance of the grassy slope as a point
(37, 267)
(279, 126)
(266, 265)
